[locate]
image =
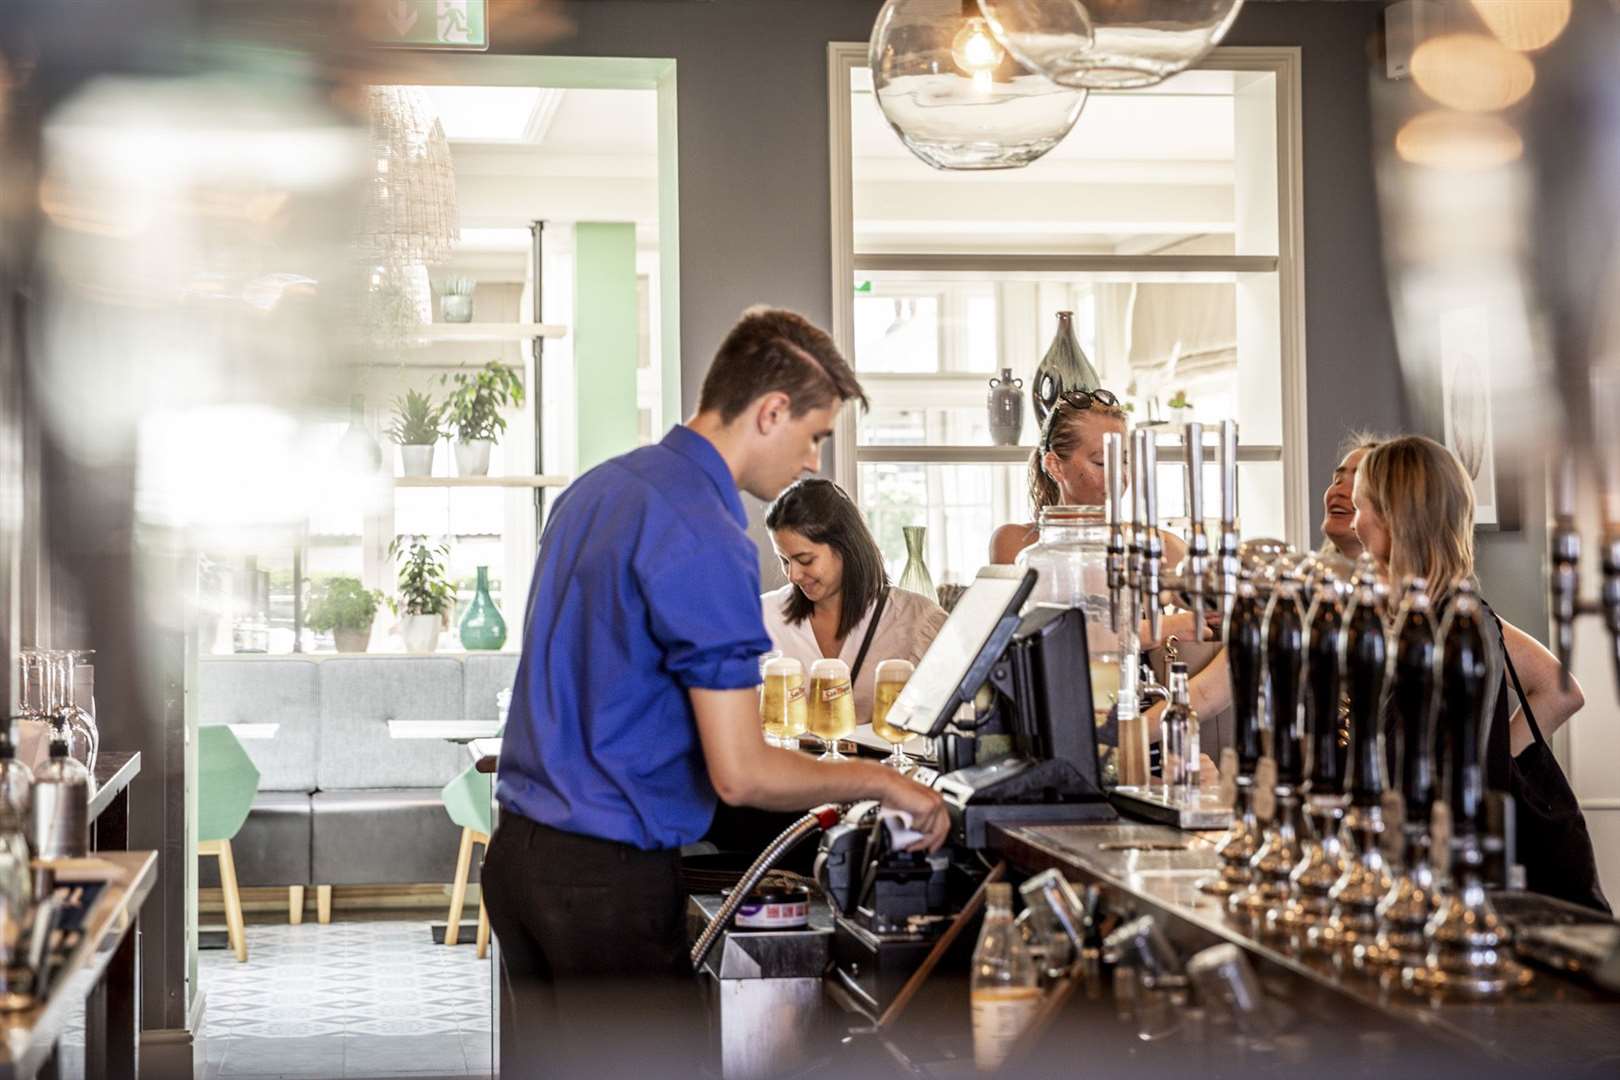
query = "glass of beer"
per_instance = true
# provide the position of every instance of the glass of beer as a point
(764, 659)
(832, 706)
(891, 678)
(781, 702)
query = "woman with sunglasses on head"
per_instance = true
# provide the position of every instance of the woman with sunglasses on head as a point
(1415, 517)
(838, 602)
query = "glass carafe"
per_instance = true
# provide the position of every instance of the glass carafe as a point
(83, 739)
(1071, 561)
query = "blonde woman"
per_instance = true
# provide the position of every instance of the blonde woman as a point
(1415, 517)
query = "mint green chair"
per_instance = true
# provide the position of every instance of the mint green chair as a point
(227, 783)
(467, 801)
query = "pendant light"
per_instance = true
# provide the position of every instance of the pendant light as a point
(954, 96)
(1110, 44)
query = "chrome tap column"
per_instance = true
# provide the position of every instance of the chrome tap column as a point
(1197, 572)
(1354, 922)
(1152, 544)
(1228, 559)
(1245, 653)
(1469, 948)
(1114, 472)
(1279, 852)
(1407, 908)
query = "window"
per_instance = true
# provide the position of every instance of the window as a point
(1165, 223)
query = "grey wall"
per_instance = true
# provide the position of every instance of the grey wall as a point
(752, 88)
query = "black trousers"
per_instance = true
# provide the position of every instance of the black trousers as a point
(592, 943)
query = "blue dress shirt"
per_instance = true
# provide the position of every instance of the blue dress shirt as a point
(646, 586)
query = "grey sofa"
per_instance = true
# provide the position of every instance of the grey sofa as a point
(340, 802)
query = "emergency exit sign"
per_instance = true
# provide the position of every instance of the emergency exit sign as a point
(430, 24)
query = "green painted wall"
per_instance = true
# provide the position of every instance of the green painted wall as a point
(605, 339)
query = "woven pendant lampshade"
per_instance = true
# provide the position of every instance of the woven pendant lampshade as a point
(410, 215)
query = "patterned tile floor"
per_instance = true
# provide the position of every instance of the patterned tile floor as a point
(363, 998)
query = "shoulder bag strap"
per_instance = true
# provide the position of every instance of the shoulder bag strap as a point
(1524, 702)
(871, 631)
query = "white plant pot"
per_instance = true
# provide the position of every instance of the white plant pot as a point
(472, 458)
(416, 460)
(421, 632)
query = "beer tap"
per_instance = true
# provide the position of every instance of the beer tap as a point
(1197, 573)
(1322, 861)
(1245, 653)
(1279, 853)
(1363, 658)
(1406, 910)
(1228, 561)
(1469, 947)
(1136, 536)
(1152, 543)
(1565, 574)
(1114, 470)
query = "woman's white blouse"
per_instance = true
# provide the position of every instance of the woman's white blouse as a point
(907, 628)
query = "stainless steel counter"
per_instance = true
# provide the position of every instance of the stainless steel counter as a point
(1557, 1024)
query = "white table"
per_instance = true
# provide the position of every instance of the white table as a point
(254, 731)
(456, 731)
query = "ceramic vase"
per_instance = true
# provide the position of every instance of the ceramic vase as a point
(915, 577)
(1064, 368)
(482, 628)
(1006, 406)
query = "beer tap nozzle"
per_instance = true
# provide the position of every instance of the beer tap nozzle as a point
(1228, 554)
(1197, 541)
(1114, 470)
(1152, 543)
(1565, 570)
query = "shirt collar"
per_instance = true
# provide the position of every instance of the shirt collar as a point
(689, 444)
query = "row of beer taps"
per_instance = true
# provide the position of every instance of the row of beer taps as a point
(1136, 571)
(1564, 567)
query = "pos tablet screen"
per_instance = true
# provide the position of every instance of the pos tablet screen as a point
(967, 646)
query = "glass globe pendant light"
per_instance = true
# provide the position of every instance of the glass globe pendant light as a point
(1110, 44)
(955, 97)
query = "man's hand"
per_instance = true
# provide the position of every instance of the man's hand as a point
(926, 807)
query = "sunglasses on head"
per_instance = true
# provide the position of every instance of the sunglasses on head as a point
(1079, 401)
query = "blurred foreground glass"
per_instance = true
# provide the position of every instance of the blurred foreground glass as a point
(892, 676)
(831, 712)
(1110, 44)
(955, 97)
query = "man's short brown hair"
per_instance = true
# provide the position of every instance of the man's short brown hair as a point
(772, 349)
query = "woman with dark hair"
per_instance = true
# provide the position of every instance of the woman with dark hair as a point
(838, 602)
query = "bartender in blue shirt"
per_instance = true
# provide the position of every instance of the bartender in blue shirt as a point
(635, 709)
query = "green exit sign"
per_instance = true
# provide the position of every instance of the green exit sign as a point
(429, 24)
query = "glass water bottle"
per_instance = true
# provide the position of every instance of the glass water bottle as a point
(61, 803)
(1005, 983)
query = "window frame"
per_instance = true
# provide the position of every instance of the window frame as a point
(1288, 265)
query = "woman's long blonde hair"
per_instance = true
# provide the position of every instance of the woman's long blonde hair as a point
(1426, 500)
(1061, 435)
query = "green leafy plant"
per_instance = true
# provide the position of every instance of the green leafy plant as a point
(474, 408)
(424, 586)
(342, 603)
(1180, 400)
(418, 420)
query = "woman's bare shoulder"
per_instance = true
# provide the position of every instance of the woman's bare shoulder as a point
(1007, 541)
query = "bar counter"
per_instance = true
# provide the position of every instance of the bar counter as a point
(1558, 1024)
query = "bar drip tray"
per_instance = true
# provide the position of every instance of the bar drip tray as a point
(1562, 936)
(1202, 813)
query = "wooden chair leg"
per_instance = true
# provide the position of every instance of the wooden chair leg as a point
(458, 890)
(295, 904)
(323, 904)
(235, 928)
(483, 930)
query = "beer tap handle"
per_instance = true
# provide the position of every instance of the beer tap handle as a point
(1285, 661)
(1114, 470)
(1245, 651)
(1229, 540)
(1464, 675)
(1137, 534)
(1364, 655)
(1415, 652)
(1197, 542)
(1565, 583)
(1324, 632)
(1153, 544)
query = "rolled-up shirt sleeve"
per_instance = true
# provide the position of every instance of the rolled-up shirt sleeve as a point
(705, 615)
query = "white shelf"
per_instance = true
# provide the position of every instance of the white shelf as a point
(487, 331)
(541, 481)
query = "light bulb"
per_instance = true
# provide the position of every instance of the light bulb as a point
(1525, 25)
(974, 49)
(1456, 140)
(1472, 72)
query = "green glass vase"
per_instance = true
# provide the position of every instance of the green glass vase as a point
(915, 577)
(482, 628)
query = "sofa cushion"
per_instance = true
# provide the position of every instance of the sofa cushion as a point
(359, 696)
(485, 675)
(285, 692)
(384, 837)
(273, 845)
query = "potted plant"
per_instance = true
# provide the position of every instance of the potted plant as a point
(416, 427)
(1180, 407)
(346, 608)
(474, 412)
(456, 300)
(425, 593)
